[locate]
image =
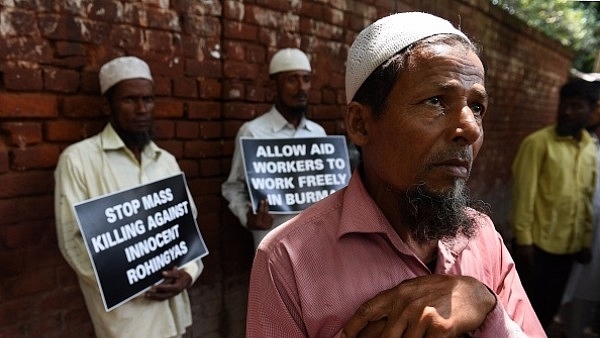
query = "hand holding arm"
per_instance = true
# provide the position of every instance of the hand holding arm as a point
(428, 306)
(262, 220)
(175, 281)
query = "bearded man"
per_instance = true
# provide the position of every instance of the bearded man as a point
(400, 252)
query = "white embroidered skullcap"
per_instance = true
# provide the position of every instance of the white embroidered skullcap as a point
(288, 59)
(385, 37)
(122, 68)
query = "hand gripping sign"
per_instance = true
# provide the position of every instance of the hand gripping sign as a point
(135, 234)
(293, 173)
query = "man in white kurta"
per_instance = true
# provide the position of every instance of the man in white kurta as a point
(104, 164)
(291, 72)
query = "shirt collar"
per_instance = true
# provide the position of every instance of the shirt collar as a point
(585, 136)
(112, 141)
(360, 214)
(278, 122)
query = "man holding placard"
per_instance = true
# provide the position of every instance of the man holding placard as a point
(121, 157)
(290, 71)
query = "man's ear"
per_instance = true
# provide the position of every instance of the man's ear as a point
(357, 121)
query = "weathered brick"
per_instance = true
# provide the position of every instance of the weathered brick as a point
(61, 80)
(44, 255)
(35, 157)
(173, 146)
(210, 130)
(126, 37)
(35, 50)
(162, 85)
(238, 30)
(233, 9)
(27, 183)
(190, 47)
(168, 108)
(9, 211)
(233, 50)
(202, 26)
(63, 298)
(282, 6)
(164, 129)
(234, 90)
(64, 130)
(20, 235)
(163, 19)
(230, 128)
(45, 323)
(28, 105)
(4, 159)
(65, 48)
(13, 311)
(82, 106)
(18, 22)
(205, 186)
(256, 94)
(202, 8)
(21, 134)
(209, 167)
(243, 111)
(23, 79)
(186, 129)
(71, 62)
(239, 69)
(89, 83)
(185, 87)
(29, 283)
(42, 204)
(209, 89)
(189, 167)
(257, 54)
(202, 149)
(207, 68)
(204, 110)
(160, 42)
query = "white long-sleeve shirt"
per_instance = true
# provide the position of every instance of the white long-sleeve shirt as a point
(269, 125)
(94, 167)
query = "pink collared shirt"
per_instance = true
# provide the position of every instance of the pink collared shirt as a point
(310, 275)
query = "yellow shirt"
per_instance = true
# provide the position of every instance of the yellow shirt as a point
(552, 192)
(97, 166)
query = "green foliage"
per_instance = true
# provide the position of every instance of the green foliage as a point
(574, 24)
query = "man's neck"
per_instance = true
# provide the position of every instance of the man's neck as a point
(293, 117)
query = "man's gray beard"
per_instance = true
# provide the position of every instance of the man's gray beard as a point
(434, 216)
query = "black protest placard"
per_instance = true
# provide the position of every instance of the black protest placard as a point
(135, 234)
(293, 173)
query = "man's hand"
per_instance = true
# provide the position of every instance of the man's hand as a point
(174, 282)
(428, 306)
(262, 220)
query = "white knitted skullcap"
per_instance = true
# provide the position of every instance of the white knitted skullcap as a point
(123, 68)
(385, 37)
(288, 59)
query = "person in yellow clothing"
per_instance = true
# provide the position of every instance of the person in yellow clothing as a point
(122, 156)
(551, 218)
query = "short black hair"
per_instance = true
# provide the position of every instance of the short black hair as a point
(590, 90)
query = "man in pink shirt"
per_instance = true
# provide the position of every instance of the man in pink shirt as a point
(401, 251)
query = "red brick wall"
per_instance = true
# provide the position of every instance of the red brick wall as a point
(209, 59)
